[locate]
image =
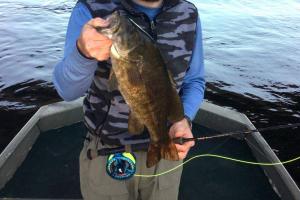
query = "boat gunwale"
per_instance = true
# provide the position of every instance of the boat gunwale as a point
(60, 114)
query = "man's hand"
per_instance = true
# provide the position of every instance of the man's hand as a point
(182, 129)
(93, 44)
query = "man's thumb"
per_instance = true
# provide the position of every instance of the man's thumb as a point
(98, 22)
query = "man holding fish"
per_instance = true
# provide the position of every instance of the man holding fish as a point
(132, 63)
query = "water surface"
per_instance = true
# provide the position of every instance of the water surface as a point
(252, 51)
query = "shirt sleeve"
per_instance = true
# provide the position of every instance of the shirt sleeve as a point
(73, 75)
(193, 86)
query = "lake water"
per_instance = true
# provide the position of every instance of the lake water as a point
(252, 59)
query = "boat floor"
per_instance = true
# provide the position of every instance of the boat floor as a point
(51, 170)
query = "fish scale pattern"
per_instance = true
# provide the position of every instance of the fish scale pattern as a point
(106, 113)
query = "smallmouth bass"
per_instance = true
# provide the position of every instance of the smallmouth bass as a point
(140, 74)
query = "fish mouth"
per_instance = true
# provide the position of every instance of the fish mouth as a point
(113, 27)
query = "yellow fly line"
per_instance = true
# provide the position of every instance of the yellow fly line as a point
(220, 157)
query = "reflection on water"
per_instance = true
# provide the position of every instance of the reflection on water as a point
(32, 37)
(253, 47)
(252, 51)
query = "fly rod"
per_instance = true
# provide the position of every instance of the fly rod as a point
(180, 140)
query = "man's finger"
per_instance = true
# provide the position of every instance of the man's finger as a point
(102, 44)
(190, 143)
(185, 147)
(180, 148)
(182, 155)
(98, 22)
(96, 36)
(102, 52)
(182, 133)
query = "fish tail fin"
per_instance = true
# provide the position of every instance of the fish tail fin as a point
(153, 155)
(156, 152)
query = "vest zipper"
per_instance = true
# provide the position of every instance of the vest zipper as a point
(153, 29)
(153, 23)
(141, 29)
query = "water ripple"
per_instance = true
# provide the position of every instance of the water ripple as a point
(251, 48)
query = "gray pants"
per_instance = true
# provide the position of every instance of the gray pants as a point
(96, 184)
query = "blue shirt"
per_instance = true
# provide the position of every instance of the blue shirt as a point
(73, 75)
(150, 12)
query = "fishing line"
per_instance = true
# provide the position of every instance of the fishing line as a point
(219, 157)
(233, 133)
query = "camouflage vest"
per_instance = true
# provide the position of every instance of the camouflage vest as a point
(106, 113)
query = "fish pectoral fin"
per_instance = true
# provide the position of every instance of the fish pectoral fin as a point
(157, 151)
(171, 79)
(175, 112)
(135, 126)
(112, 81)
(175, 109)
